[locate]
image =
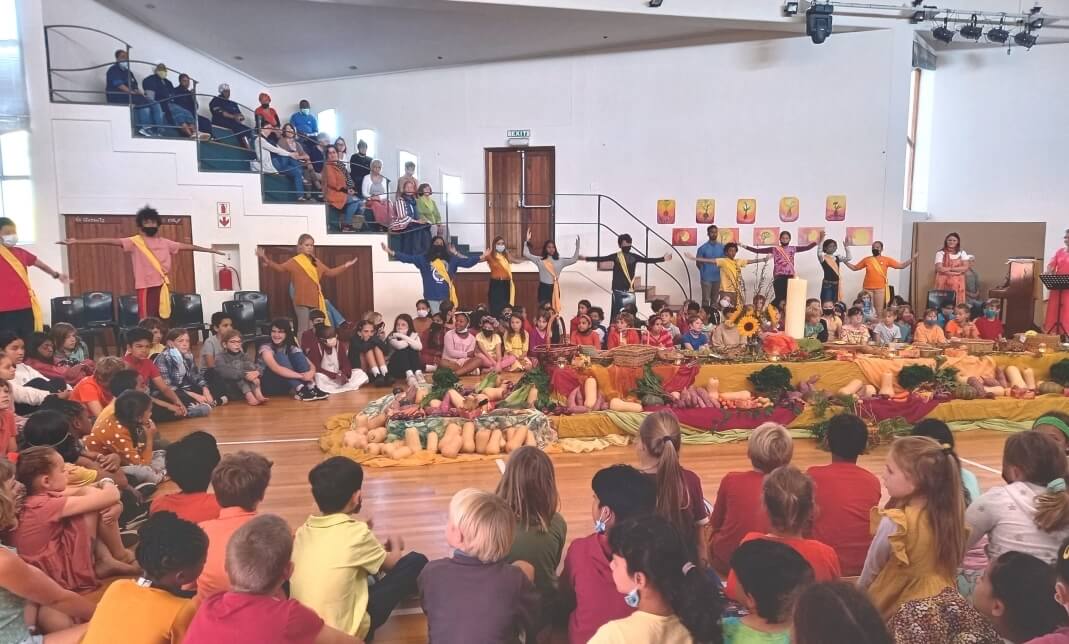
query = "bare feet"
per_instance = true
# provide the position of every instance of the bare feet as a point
(252, 399)
(109, 567)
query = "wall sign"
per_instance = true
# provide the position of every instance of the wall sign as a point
(222, 214)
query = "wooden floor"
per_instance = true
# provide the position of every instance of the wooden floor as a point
(412, 502)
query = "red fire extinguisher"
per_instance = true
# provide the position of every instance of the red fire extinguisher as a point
(228, 278)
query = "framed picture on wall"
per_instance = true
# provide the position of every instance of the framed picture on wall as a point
(684, 236)
(859, 236)
(788, 209)
(746, 211)
(705, 211)
(666, 211)
(809, 234)
(727, 235)
(765, 235)
(835, 208)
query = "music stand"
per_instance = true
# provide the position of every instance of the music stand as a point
(1056, 282)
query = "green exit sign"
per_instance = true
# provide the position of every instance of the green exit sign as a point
(518, 134)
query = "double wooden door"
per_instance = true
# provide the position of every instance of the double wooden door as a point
(352, 292)
(520, 187)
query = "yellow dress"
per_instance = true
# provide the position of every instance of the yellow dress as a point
(911, 571)
(517, 345)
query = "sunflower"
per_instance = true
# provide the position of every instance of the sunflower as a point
(773, 315)
(748, 326)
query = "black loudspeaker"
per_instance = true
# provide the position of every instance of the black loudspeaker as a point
(818, 22)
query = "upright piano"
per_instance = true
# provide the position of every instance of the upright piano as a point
(1018, 294)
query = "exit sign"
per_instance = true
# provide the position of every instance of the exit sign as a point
(518, 134)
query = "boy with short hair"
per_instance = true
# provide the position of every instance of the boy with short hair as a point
(695, 337)
(190, 461)
(334, 554)
(666, 318)
(845, 493)
(989, 326)
(240, 481)
(588, 595)
(929, 331)
(137, 358)
(770, 575)
(213, 346)
(961, 326)
(256, 610)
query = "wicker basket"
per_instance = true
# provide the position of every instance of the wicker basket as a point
(670, 355)
(928, 351)
(553, 353)
(633, 355)
(1032, 342)
(977, 347)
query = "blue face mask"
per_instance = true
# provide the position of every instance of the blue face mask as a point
(306, 111)
(990, 314)
(124, 65)
(631, 598)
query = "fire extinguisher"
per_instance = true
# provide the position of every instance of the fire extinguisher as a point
(228, 278)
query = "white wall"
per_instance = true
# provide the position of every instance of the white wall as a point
(758, 119)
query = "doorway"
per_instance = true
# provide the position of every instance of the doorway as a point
(352, 292)
(520, 187)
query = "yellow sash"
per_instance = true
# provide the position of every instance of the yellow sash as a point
(440, 267)
(622, 261)
(548, 263)
(506, 265)
(879, 268)
(310, 270)
(20, 270)
(154, 262)
(833, 264)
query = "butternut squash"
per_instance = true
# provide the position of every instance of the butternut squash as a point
(376, 435)
(375, 449)
(376, 421)
(590, 390)
(1014, 377)
(869, 391)
(468, 434)
(713, 388)
(351, 437)
(482, 438)
(401, 452)
(451, 429)
(432, 443)
(360, 420)
(517, 439)
(887, 384)
(494, 446)
(617, 404)
(450, 446)
(435, 404)
(412, 439)
(455, 399)
(494, 393)
(1029, 375)
(997, 391)
(736, 395)
(853, 387)
(530, 440)
(388, 449)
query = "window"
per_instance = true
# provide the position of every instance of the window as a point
(403, 158)
(16, 188)
(452, 189)
(918, 137)
(328, 122)
(369, 137)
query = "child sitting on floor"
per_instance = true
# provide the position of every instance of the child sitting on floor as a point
(433, 340)
(330, 356)
(695, 338)
(258, 563)
(154, 608)
(475, 595)
(68, 347)
(1014, 595)
(137, 358)
(989, 326)
(518, 345)
(582, 309)
(587, 594)
(961, 326)
(240, 482)
(657, 336)
(854, 330)
(316, 318)
(131, 434)
(887, 330)
(92, 392)
(489, 347)
(929, 331)
(286, 370)
(179, 370)
(40, 354)
(1061, 595)
(585, 335)
(29, 387)
(369, 351)
(235, 373)
(190, 462)
(1054, 424)
(769, 576)
(213, 344)
(72, 535)
(8, 428)
(64, 425)
(334, 553)
(597, 317)
(906, 322)
(622, 333)
(836, 611)
(158, 330)
(405, 362)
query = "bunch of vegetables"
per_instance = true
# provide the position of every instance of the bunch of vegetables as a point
(456, 439)
(1059, 372)
(773, 381)
(649, 390)
(586, 398)
(443, 380)
(532, 390)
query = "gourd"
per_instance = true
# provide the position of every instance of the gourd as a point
(376, 421)
(468, 434)
(713, 388)
(590, 393)
(852, 388)
(400, 452)
(736, 395)
(517, 438)
(455, 399)
(450, 446)
(412, 439)
(482, 439)
(351, 438)
(494, 393)
(494, 446)
(997, 392)
(964, 391)
(375, 449)
(1029, 376)
(376, 435)
(432, 442)
(887, 384)
(1049, 387)
(616, 404)
(360, 420)
(1016, 380)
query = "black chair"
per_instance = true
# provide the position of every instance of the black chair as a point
(69, 309)
(129, 316)
(187, 312)
(99, 315)
(243, 315)
(260, 306)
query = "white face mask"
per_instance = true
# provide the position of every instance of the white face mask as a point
(500, 248)
(422, 314)
(332, 342)
(10, 240)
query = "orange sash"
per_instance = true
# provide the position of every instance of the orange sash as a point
(785, 255)
(548, 263)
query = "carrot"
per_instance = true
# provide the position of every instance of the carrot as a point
(705, 397)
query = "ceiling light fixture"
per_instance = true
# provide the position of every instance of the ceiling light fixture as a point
(353, 67)
(944, 33)
(656, 3)
(818, 22)
(239, 58)
(1025, 38)
(972, 31)
(998, 35)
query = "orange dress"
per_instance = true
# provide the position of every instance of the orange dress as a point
(954, 283)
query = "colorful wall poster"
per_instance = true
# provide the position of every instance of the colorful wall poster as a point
(765, 235)
(859, 236)
(666, 211)
(727, 235)
(835, 208)
(746, 211)
(788, 209)
(705, 211)
(684, 236)
(809, 234)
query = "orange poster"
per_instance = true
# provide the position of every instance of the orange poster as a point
(746, 211)
(765, 235)
(835, 208)
(788, 209)
(809, 235)
(666, 211)
(705, 211)
(727, 235)
(860, 236)
(684, 236)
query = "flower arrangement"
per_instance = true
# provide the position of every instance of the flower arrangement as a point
(748, 326)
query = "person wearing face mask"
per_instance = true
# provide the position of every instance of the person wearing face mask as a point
(330, 355)
(624, 271)
(549, 266)
(121, 89)
(437, 267)
(502, 291)
(304, 120)
(831, 286)
(458, 350)
(783, 262)
(989, 326)
(274, 159)
(265, 114)
(831, 319)
(162, 91)
(185, 98)
(20, 310)
(929, 332)
(906, 321)
(876, 282)
(407, 234)
(226, 114)
(151, 257)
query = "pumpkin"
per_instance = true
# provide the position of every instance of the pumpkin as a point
(1049, 387)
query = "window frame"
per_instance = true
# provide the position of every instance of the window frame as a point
(911, 134)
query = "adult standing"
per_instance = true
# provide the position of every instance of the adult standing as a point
(502, 291)
(437, 267)
(226, 114)
(151, 258)
(783, 263)
(709, 272)
(625, 261)
(951, 264)
(360, 166)
(20, 310)
(876, 282)
(307, 125)
(120, 87)
(831, 288)
(549, 267)
(306, 273)
(1058, 304)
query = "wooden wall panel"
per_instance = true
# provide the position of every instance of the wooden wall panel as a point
(352, 292)
(107, 268)
(504, 217)
(473, 289)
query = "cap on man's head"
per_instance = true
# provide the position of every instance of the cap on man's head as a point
(223, 87)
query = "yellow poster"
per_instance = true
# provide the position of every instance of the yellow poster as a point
(788, 209)
(705, 211)
(666, 211)
(746, 211)
(835, 208)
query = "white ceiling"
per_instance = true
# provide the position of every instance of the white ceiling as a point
(284, 41)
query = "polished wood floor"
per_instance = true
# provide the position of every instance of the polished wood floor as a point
(412, 502)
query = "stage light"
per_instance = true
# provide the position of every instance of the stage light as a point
(790, 8)
(971, 31)
(998, 35)
(1024, 39)
(818, 22)
(944, 33)
(1035, 20)
(656, 3)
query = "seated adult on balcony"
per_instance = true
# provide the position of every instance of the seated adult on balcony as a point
(306, 124)
(337, 194)
(227, 114)
(288, 142)
(185, 98)
(279, 160)
(360, 166)
(265, 113)
(162, 91)
(121, 88)
(318, 152)
(374, 189)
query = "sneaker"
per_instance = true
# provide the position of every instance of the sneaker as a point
(144, 131)
(320, 394)
(305, 394)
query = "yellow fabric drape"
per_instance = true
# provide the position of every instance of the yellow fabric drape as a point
(882, 270)
(20, 270)
(440, 267)
(548, 263)
(622, 261)
(165, 288)
(310, 270)
(506, 266)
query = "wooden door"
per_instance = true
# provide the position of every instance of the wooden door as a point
(352, 292)
(107, 268)
(520, 186)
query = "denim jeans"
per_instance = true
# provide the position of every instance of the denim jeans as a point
(275, 384)
(180, 115)
(336, 317)
(353, 205)
(620, 299)
(148, 116)
(292, 168)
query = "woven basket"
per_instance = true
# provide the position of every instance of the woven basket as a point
(1032, 342)
(633, 355)
(670, 355)
(552, 353)
(977, 347)
(929, 352)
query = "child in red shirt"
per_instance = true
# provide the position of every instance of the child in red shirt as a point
(845, 494)
(584, 310)
(788, 499)
(622, 333)
(657, 335)
(190, 462)
(583, 334)
(989, 326)
(737, 510)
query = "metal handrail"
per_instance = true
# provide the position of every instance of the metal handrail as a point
(84, 28)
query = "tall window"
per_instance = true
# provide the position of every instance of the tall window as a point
(918, 137)
(452, 189)
(328, 122)
(404, 158)
(369, 137)
(16, 190)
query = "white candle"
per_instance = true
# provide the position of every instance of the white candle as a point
(794, 317)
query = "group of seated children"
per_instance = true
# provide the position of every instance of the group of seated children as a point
(897, 323)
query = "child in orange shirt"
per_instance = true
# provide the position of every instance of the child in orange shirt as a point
(961, 326)
(584, 310)
(190, 461)
(584, 334)
(623, 333)
(929, 332)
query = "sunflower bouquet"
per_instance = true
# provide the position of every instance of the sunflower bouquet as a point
(748, 326)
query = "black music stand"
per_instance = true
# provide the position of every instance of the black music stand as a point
(1056, 282)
